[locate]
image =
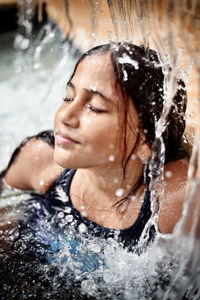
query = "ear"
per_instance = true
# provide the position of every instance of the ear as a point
(143, 150)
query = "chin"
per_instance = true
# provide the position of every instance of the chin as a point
(61, 158)
(74, 159)
(66, 159)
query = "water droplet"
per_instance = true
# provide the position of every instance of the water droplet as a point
(133, 198)
(82, 228)
(94, 247)
(84, 213)
(36, 66)
(119, 192)
(111, 158)
(115, 180)
(133, 156)
(60, 215)
(125, 59)
(168, 174)
(68, 210)
(63, 197)
(69, 218)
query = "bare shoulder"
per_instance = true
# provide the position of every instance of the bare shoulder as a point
(174, 194)
(33, 168)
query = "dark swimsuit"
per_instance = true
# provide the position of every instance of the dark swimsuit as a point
(58, 199)
(50, 249)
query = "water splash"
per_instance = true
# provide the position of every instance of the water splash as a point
(169, 268)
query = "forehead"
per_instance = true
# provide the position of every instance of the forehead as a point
(97, 71)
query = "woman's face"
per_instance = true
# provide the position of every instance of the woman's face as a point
(86, 125)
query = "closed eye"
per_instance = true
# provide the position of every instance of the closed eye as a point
(96, 110)
(66, 99)
(89, 106)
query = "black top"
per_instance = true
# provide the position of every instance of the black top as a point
(56, 248)
(57, 199)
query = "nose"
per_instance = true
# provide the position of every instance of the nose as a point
(69, 114)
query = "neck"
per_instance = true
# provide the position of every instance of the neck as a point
(110, 182)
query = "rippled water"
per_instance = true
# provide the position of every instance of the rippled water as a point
(40, 261)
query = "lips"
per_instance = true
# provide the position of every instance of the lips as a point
(64, 139)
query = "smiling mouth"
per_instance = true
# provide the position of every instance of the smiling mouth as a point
(62, 139)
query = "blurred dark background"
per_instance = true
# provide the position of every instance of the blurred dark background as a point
(8, 17)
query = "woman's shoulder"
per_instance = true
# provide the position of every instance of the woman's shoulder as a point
(33, 168)
(175, 177)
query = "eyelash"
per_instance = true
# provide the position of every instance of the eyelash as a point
(90, 107)
(67, 99)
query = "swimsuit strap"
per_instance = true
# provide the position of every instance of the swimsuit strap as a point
(129, 236)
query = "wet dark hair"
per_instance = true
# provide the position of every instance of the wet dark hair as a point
(140, 76)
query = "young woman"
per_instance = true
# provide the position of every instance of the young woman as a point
(104, 132)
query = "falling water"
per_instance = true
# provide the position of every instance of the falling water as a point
(155, 19)
(170, 268)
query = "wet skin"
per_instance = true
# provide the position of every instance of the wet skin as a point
(88, 132)
(89, 137)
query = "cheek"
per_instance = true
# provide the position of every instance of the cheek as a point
(86, 121)
(102, 136)
(56, 117)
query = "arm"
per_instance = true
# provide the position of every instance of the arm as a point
(33, 167)
(174, 195)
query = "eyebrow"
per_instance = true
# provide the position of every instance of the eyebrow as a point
(70, 84)
(91, 91)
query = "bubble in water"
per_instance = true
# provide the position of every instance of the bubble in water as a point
(89, 287)
(68, 210)
(61, 215)
(69, 218)
(82, 228)
(94, 247)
